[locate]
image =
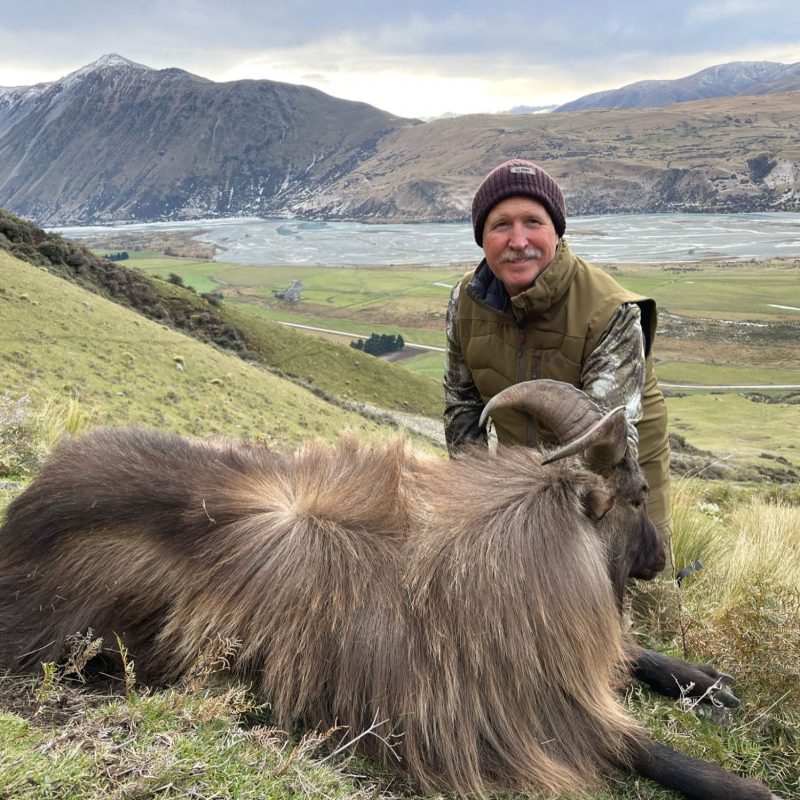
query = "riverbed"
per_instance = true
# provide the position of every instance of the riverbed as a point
(620, 238)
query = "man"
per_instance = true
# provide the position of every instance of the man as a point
(532, 309)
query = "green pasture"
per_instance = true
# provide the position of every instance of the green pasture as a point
(723, 374)
(430, 364)
(733, 292)
(199, 274)
(345, 326)
(735, 427)
(333, 287)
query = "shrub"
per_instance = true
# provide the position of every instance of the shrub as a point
(53, 251)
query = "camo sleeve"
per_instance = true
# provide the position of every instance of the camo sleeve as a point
(613, 374)
(462, 400)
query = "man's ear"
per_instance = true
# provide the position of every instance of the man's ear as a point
(597, 504)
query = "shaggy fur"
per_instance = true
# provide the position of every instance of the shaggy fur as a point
(472, 603)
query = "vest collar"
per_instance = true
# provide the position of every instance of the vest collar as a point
(547, 289)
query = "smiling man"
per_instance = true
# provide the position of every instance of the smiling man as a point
(533, 309)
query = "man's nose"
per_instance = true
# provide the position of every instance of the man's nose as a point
(518, 237)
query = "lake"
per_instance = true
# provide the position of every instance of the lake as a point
(620, 238)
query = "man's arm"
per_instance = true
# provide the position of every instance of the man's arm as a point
(613, 374)
(462, 400)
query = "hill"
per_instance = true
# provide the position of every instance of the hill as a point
(118, 141)
(60, 341)
(736, 78)
(723, 155)
(337, 374)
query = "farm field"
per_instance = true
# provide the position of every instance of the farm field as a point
(720, 324)
(758, 293)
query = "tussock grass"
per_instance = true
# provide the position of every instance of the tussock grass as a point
(697, 533)
(742, 614)
(28, 433)
(766, 547)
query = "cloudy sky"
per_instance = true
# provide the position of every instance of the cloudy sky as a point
(412, 57)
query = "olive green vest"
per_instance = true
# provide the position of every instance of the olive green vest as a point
(547, 332)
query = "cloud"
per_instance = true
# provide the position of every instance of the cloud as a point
(704, 13)
(440, 51)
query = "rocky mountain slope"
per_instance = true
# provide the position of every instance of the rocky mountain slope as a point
(723, 155)
(724, 80)
(117, 141)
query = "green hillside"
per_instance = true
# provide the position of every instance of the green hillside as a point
(330, 369)
(58, 340)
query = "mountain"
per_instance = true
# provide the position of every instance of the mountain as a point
(721, 155)
(724, 80)
(116, 140)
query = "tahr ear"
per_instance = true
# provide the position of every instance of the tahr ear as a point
(597, 504)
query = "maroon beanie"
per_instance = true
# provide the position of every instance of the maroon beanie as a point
(512, 179)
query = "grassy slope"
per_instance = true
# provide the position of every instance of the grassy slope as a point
(333, 371)
(59, 340)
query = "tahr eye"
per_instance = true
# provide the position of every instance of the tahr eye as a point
(639, 501)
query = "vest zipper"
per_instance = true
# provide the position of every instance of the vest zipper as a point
(530, 432)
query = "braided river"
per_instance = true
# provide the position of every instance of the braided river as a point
(621, 238)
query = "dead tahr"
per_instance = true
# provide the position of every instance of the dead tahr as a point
(472, 604)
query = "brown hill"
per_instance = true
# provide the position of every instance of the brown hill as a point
(729, 154)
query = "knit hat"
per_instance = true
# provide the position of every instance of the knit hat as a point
(517, 178)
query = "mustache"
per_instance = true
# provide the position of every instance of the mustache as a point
(520, 255)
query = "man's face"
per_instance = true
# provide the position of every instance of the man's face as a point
(519, 242)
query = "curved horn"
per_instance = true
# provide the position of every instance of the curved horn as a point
(571, 415)
(605, 442)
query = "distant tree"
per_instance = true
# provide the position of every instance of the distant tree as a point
(122, 255)
(173, 277)
(379, 343)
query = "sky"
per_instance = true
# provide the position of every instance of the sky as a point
(414, 58)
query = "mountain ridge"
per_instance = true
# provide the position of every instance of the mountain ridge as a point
(732, 79)
(117, 141)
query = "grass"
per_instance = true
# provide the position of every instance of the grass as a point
(430, 364)
(173, 744)
(724, 374)
(736, 428)
(59, 343)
